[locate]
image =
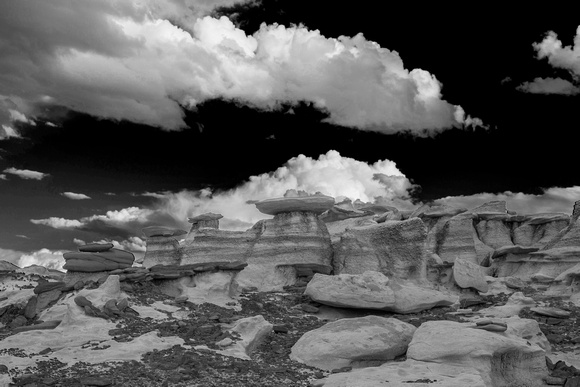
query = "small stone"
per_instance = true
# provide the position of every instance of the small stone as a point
(214, 317)
(492, 328)
(3, 369)
(514, 283)
(180, 299)
(281, 328)
(82, 301)
(18, 322)
(551, 312)
(79, 285)
(554, 381)
(123, 304)
(339, 370)
(309, 308)
(45, 351)
(225, 342)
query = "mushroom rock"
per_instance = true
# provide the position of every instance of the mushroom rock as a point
(207, 220)
(159, 231)
(98, 261)
(315, 204)
(501, 360)
(289, 239)
(396, 249)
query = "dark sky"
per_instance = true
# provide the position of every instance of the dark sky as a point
(483, 58)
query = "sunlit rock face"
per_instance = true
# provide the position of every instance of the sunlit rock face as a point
(394, 248)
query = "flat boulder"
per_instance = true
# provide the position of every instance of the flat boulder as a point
(367, 340)
(551, 312)
(409, 373)
(96, 247)
(98, 261)
(469, 275)
(513, 249)
(316, 204)
(369, 290)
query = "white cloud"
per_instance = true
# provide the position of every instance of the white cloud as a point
(8, 132)
(75, 196)
(144, 61)
(550, 86)
(3, 177)
(43, 257)
(26, 174)
(553, 199)
(566, 57)
(59, 223)
(11, 115)
(9, 255)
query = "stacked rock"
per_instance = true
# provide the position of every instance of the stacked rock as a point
(96, 257)
(162, 246)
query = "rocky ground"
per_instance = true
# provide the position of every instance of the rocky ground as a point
(290, 311)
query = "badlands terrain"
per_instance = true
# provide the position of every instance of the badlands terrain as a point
(324, 294)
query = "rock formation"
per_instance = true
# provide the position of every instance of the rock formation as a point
(98, 258)
(316, 204)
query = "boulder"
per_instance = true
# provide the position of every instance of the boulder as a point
(370, 340)
(98, 261)
(252, 331)
(469, 275)
(373, 290)
(501, 360)
(408, 374)
(369, 290)
(316, 204)
(396, 249)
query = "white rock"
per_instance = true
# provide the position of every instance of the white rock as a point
(402, 374)
(367, 340)
(369, 290)
(252, 331)
(469, 275)
(501, 360)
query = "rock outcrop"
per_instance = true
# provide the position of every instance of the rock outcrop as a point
(366, 341)
(469, 275)
(207, 220)
(316, 204)
(395, 249)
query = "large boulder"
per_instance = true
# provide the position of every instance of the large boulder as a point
(395, 248)
(409, 373)
(469, 275)
(316, 204)
(98, 261)
(370, 340)
(501, 360)
(369, 290)
(373, 290)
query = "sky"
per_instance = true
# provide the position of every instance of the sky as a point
(116, 114)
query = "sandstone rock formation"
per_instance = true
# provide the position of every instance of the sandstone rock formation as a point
(207, 220)
(365, 341)
(395, 249)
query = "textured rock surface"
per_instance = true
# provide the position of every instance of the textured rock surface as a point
(497, 206)
(569, 236)
(539, 229)
(369, 290)
(501, 360)
(252, 331)
(469, 275)
(408, 374)
(494, 233)
(396, 249)
(411, 298)
(456, 239)
(367, 340)
(207, 220)
(162, 251)
(209, 245)
(513, 249)
(316, 204)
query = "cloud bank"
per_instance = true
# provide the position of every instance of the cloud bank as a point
(146, 61)
(26, 174)
(550, 86)
(331, 174)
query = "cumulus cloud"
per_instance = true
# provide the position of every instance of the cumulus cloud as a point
(11, 116)
(558, 55)
(555, 199)
(549, 86)
(330, 174)
(43, 257)
(3, 177)
(75, 196)
(60, 223)
(146, 61)
(9, 255)
(26, 174)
